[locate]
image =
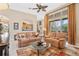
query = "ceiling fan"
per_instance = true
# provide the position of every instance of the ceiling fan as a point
(39, 7)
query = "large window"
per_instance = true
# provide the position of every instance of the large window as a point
(64, 25)
(59, 25)
(55, 25)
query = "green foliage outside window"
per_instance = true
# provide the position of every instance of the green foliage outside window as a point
(60, 25)
(65, 27)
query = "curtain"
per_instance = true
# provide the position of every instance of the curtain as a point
(71, 24)
(46, 24)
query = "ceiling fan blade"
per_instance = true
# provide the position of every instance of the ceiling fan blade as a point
(34, 8)
(38, 10)
(45, 6)
(43, 10)
(38, 5)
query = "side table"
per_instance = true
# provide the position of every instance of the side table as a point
(2, 47)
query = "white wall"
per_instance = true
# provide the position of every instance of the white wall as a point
(19, 17)
(12, 31)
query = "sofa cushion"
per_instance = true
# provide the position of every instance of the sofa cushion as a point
(60, 34)
(28, 38)
(52, 34)
(55, 43)
(25, 40)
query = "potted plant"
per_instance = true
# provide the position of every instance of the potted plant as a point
(1, 29)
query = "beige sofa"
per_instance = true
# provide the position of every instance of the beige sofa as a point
(26, 38)
(56, 39)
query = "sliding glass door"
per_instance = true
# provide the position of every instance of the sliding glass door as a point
(59, 25)
(55, 26)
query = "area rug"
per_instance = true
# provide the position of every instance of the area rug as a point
(54, 52)
(58, 54)
(26, 52)
(48, 52)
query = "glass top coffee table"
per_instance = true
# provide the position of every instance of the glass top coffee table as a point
(39, 46)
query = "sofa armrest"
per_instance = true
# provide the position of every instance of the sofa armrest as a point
(62, 42)
(62, 39)
(48, 38)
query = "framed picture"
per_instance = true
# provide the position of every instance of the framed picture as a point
(16, 26)
(27, 27)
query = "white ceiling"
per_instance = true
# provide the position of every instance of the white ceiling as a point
(24, 7)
